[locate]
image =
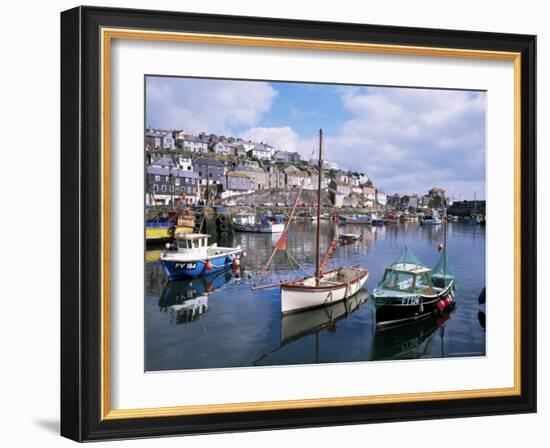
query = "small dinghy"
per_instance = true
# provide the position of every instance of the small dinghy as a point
(348, 238)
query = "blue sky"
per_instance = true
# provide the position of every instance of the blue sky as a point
(407, 140)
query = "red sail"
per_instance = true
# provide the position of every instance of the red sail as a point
(281, 244)
(330, 251)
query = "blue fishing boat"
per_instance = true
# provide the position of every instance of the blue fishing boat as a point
(192, 257)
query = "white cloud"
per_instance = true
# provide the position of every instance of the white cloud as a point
(408, 140)
(206, 105)
(285, 138)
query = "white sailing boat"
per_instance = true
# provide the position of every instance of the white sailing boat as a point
(322, 288)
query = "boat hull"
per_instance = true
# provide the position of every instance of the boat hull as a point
(399, 310)
(164, 234)
(304, 295)
(430, 222)
(186, 269)
(259, 228)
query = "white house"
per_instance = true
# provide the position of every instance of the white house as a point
(326, 164)
(222, 148)
(194, 144)
(184, 163)
(261, 151)
(159, 138)
(381, 197)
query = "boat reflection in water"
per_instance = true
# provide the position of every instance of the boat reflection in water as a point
(187, 300)
(297, 325)
(411, 340)
(311, 322)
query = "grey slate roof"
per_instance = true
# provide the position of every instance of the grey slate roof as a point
(164, 161)
(204, 161)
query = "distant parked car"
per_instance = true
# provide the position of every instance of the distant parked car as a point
(281, 204)
(267, 204)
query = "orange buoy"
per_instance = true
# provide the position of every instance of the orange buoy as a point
(236, 263)
(208, 266)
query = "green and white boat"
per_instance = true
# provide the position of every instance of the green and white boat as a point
(410, 290)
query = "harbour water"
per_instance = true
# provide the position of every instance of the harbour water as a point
(217, 322)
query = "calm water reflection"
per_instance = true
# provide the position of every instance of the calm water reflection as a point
(218, 321)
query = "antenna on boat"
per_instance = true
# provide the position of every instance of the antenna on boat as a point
(319, 183)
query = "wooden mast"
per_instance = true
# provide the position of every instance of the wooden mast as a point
(319, 183)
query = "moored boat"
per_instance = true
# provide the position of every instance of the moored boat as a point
(165, 226)
(192, 257)
(410, 290)
(431, 219)
(359, 219)
(348, 238)
(305, 217)
(246, 222)
(323, 290)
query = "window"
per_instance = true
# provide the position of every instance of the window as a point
(157, 178)
(210, 174)
(163, 188)
(189, 190)
(155, 187)
(186, 180)
(200, 173)
(177, 181)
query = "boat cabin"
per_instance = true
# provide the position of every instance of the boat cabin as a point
(408, 278)
(245, 219)
(193, 243)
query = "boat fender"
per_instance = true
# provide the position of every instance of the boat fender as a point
(208, 266)
(223, 226)
(243, 254)
(440, 305)
(448, 300)
(236, 263)
(421, 309)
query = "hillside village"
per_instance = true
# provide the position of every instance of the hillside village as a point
(187, 168)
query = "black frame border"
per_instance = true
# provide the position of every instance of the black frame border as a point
(81, 223)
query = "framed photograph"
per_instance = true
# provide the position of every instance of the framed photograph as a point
(273, 223)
